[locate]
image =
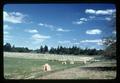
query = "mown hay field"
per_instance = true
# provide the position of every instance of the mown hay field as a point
(30, 66)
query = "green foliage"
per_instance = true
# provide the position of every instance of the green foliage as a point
(74, 50)
(45, 49)
(32, 68)
(110, 51)
(19, 68)
(7, 47)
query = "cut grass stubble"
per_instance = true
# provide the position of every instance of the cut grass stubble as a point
(22, 66)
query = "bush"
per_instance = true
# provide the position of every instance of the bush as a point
(110, 51)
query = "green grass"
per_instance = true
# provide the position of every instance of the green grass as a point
(19, 68)
(30, 66)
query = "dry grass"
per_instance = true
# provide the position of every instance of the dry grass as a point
(29, 66)
(48, 56)
(80, 73)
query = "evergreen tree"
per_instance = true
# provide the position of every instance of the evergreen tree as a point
(41, 49)
(51, 50)
(61, 50)
(26, 49)
(58, 50)
(7, 47)
(13, 49)
(45, 49)
(76, 52)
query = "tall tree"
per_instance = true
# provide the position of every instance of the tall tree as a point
(41, 49)
(58, 50)
(61, 50)
(45, 49)
(7, 47)
(51, 51)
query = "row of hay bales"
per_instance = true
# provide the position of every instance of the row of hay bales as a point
(65, 62)
(47, 67)
(79, 62)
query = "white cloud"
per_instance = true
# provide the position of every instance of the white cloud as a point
(64, 42)
(100, 12)
(98, 41)
(76, 43)
(94, 31)
(114, 32)
(50, 26)
(90, 11)
(83, 19)
(13, 17)
(6, 32)
(105, 12)
(47, 25)
(95, 12)
(62, 30)
(39, 37)
(109, 39)
(108, 18)
(6, 27)
(78, 22)
(32, 31)
(68, 42)
(100, 18)
(41, 24)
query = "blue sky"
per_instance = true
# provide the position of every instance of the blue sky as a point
(82, 25)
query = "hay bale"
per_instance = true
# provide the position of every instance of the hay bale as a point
(46, 67)
(64, 62)
(84, 61)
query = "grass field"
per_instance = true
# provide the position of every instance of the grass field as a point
(29, 66)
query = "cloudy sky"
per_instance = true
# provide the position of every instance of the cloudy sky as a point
(83, 25)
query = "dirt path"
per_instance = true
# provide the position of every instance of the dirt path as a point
(80, 73)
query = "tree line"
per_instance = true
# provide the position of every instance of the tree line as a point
(59, 50)
(8, 48)
(74, 50)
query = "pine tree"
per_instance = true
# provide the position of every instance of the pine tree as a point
(51, 50)
(58, 50)
(14, 49)
(41, 49)
(45, 49)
